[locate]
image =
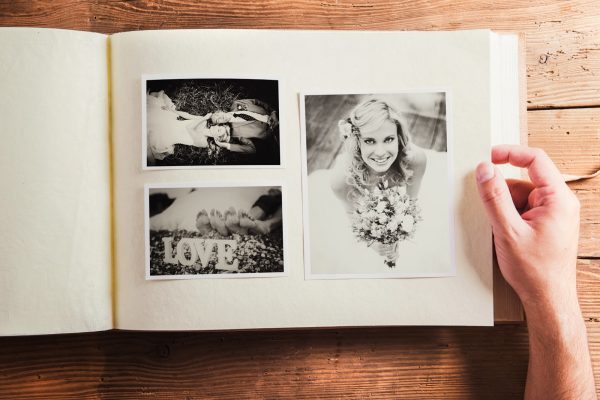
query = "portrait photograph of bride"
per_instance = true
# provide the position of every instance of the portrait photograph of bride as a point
(191, 123)
(377, 179)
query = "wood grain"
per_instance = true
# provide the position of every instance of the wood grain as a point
(588, 282)
(563, 38)
(433, 363)
(571, 138)
(407, 362)
(563, 71)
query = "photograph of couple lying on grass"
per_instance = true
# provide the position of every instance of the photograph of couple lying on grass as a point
(211, 122)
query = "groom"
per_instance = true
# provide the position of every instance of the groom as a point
(252, 136)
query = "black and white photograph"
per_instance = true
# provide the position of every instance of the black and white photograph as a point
(377, 174)
(194, 123)
(214, 232)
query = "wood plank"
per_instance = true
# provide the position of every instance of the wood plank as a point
(563, 38)
(433, 363)
(588, 287)
(572, 139)
(589, 234)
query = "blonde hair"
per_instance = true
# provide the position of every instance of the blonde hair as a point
(369, 116)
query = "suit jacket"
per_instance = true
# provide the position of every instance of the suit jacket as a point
(249, 129)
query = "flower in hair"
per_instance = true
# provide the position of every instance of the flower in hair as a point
(346, 128)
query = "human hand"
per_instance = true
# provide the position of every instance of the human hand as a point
(273, 121)
(224, 144)
(223, 137)
(388, 251)
(535, 226)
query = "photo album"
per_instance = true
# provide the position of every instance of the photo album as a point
(251, 179)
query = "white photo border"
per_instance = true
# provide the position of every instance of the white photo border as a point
(204, 184)
(170, 76)
(308, 275)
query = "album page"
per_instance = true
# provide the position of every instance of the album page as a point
(55, 269)
(236, 153)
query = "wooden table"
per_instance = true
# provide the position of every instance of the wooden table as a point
(563, 97)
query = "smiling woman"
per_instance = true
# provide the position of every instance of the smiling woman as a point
(377, 149)
(383, 200)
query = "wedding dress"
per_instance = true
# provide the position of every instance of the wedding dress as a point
(163, 128)
(335, 250)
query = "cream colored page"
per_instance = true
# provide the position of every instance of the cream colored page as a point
(306, 62)
(55, 238)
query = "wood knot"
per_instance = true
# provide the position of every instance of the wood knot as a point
(163, 351)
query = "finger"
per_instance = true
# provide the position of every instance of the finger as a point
(496, 198)
(540, 167)
(520, 191)
(225, 145)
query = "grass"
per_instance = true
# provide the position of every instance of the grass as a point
(199, 97)
(256, 253)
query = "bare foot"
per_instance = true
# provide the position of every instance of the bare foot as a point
(262, 227)
(203, 222)
(246, 221)
(218, 222)
(232, 222)
(254, 226)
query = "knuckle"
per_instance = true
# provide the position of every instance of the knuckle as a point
(539, 152)
(494, 195)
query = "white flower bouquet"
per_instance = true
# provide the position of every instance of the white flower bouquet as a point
(385, 216)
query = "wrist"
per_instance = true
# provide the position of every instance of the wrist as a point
(551, 295)
(559, 359)
(554, 315)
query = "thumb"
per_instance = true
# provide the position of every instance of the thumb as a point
(496, 198)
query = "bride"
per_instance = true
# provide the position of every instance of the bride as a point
(165, 129)
(376, 149)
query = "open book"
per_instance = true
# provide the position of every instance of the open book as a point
(138, 167)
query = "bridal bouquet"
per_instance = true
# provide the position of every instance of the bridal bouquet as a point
(385, 215)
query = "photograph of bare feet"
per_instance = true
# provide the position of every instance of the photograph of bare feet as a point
(208, 231)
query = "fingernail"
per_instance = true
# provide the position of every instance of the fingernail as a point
(485, 172)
